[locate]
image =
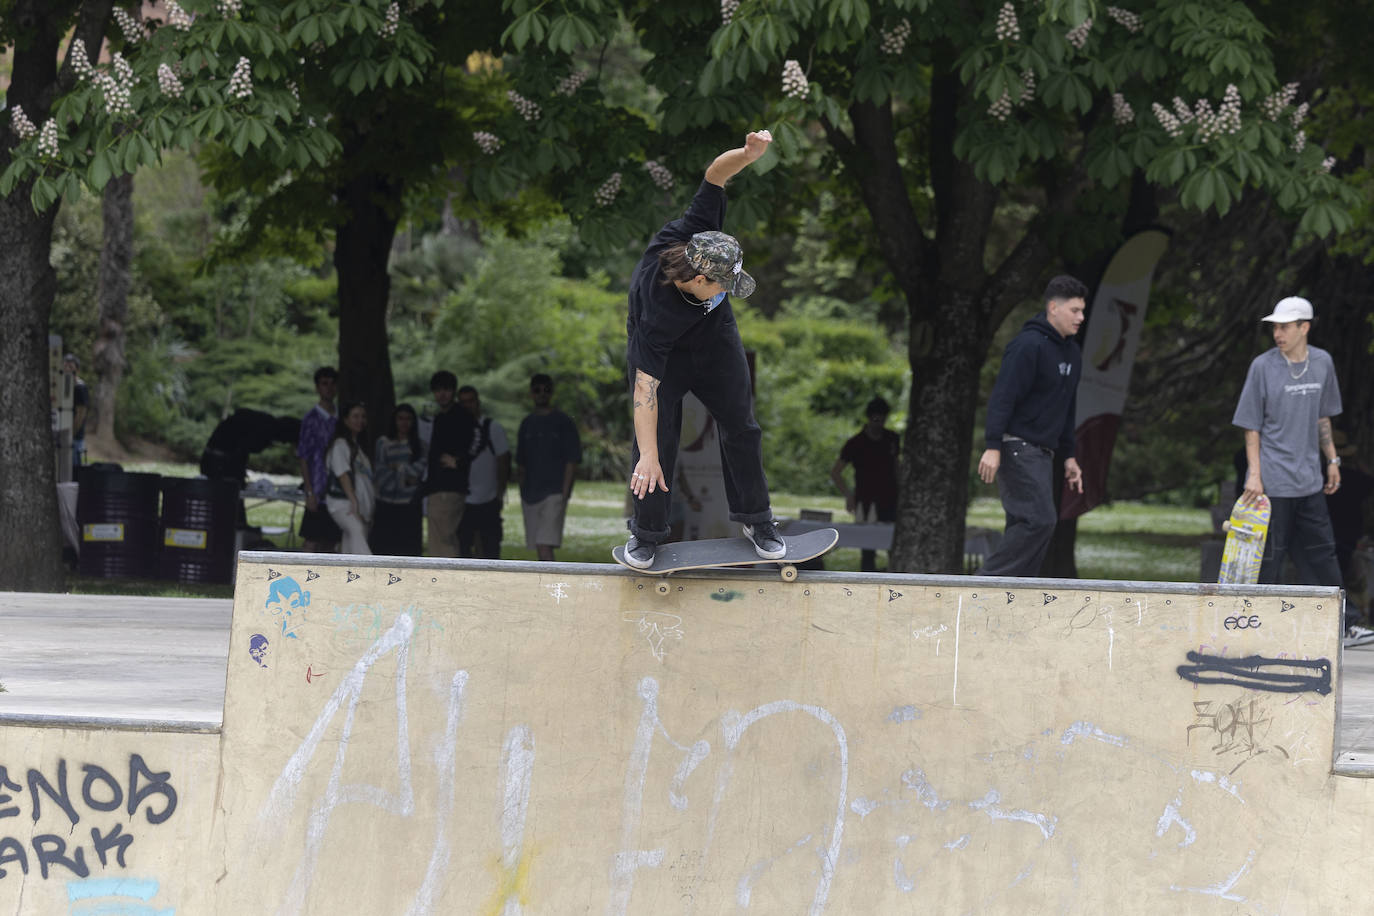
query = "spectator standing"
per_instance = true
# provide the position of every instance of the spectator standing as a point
(1285, 408)
(548, 451)
(481, 529)
(398, 467)
(873, 452)
(351, 497)
(1031, 417)
(450, 453)
(682, 337)
(318, 531)
(81, 406)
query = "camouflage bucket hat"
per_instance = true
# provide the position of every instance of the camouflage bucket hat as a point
(719, 257)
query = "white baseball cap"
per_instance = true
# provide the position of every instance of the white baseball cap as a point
(1294, 308)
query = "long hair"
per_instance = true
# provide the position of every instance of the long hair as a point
(414, 436)
(341, 431)
(673, 262)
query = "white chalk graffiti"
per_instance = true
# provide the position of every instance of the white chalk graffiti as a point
(401, 802)
(519, 761)
(657, 628)
(733, 725)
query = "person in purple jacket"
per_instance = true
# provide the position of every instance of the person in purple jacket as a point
(683, 337)
(1030, 419)
(318, 531)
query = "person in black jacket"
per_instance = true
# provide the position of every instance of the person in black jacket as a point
(450, 456)
(1030, 418)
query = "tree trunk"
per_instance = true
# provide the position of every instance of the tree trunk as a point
(30, 537)
(945, 362)
(362, 248)
(116, 257)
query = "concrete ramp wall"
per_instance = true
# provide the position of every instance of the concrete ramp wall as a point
(100, 821)
(503, 738)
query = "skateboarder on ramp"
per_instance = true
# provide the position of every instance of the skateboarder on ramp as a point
(683, 337)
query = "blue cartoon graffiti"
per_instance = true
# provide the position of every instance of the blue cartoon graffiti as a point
(286, 599)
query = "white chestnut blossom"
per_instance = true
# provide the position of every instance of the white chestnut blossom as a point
(606, 194)
(20, 123)
(489, 143)
(794, 84)
(167, 81)
(528, 110)
(1274, 105)
(47, 140)
(660, 175)
(1300, 141)
(131, 27)
(1001, 108)
(1124, 18)
(1027, 85)
(229, 8)
(572, 82)
(728, 9)
(1008, 29)
(177, 17)
(1328, 163)
(241, 82)
(393, 19)
(1166, 119)
(894, 40)
(1122, 112)
(81, 61)
(1078, 35)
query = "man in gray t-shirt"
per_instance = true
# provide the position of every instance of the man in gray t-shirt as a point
(1285, 408)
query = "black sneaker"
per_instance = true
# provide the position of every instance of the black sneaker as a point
(639, 554)
(767, 543)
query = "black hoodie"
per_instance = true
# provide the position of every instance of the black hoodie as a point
(1037, 389)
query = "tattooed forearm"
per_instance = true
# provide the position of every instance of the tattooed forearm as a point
(646, 391)
(1324, 432)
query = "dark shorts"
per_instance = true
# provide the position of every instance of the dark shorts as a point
(317, 526)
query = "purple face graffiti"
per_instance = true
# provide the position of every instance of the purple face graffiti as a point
(257, 648)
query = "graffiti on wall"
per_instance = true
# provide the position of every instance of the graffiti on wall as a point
(73, 803)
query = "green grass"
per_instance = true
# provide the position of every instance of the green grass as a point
(1130, 541)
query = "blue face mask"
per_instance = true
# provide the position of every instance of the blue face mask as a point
(714, 301)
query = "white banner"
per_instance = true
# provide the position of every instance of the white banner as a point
(1113, 337)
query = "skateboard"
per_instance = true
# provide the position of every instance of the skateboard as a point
(1245, 533)
(683, 555)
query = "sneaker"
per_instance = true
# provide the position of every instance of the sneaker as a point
(767, 543)
(1358, 636)
(639, 554)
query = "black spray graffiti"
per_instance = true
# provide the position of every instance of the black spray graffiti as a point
(100, 792)
(1276, 675)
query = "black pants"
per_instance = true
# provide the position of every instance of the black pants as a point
(718, 374)
(1300, 528)
(481, 527)
(1025, 480)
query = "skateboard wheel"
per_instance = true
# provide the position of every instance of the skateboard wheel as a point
(663, 588)
(789, 573)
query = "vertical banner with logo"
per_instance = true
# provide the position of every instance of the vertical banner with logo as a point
(1118, 316)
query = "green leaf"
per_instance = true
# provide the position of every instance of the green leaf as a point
(43, 194)
(98, 174)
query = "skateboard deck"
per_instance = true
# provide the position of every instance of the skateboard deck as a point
(684, 555)
(1245, 533)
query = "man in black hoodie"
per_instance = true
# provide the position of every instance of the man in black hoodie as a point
(1030, 418)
